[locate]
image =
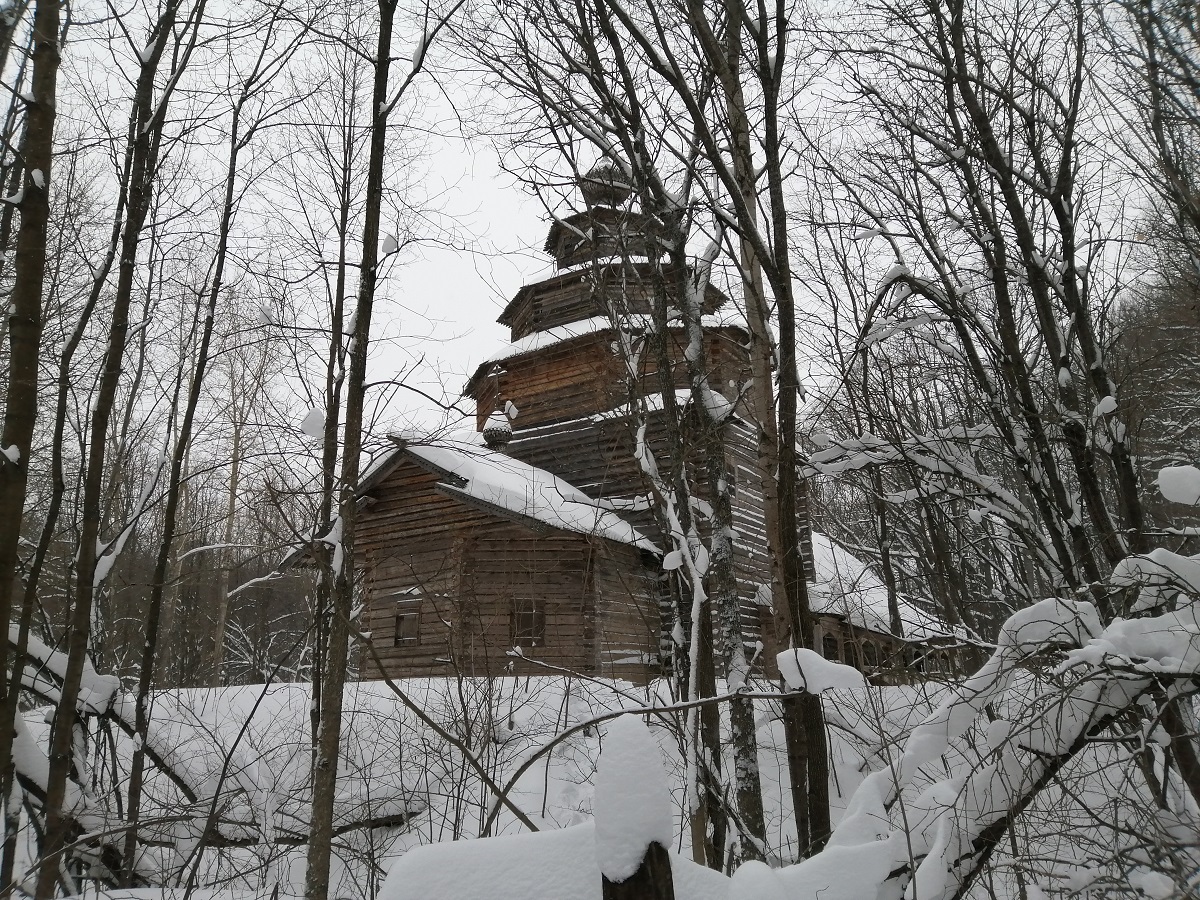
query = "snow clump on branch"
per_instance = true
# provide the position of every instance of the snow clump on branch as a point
(1180, 484)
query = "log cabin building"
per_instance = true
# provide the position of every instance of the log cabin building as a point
(532, 542)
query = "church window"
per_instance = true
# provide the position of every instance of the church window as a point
(829, 647)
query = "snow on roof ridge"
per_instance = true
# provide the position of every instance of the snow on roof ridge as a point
(847, 586)
(538, 340)
(650, 402)
(501, 481)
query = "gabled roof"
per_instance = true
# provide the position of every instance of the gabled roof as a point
(847, 587)
(510, 488)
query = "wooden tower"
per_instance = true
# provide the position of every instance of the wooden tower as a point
(536, 546)
(564, 398)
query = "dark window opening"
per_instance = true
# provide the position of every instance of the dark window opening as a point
(852, 654)
(408, 623)
(829, 647)
(871, 655)
(529, 623)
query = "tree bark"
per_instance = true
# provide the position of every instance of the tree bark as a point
(24, 334)
(652, 880)
(175, 493)
(316, 886)
(145, 136)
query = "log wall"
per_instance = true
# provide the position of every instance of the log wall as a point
(597, 456)
(412, 540)
(623, 288)
(626, 614)
(463, 571)
(583, 376)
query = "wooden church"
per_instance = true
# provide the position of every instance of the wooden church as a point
(531, 543)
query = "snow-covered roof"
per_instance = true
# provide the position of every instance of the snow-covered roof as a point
(507, 485)
(846, 586)
(539, 339)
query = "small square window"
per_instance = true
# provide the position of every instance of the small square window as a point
(408, 623)
(529, 623)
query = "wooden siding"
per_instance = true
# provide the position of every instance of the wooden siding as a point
(751, 550)
(582, 376)
(566, 381)
(596, 455)
(626, 613)
(411, 539)
(504, 564)
(603, 289)
(463, 570)
(612, 233)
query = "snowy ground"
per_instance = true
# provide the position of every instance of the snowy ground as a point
(403, 785)
(249, 748)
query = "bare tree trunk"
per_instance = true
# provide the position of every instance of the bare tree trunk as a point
(25, 315)
(710, 813)
(24, 333)
(742, 181)
(335, 373)
(58, 491)
(11, 168)
(723, 596)
(316, 885)
(171, 510)
(239, 135)
(145, 136)
(216, 678)
(762, 360)
(794, 580)
(883, 534)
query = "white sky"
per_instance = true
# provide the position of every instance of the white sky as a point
(451, 296)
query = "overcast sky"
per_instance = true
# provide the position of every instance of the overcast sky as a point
(449, 298)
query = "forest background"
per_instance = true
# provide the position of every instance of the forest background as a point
(972, 228)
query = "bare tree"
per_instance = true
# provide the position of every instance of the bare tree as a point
(145, 136)
(340, 536)
(25, 329)
(1153, 45)
(980, 187)
(249, 113)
